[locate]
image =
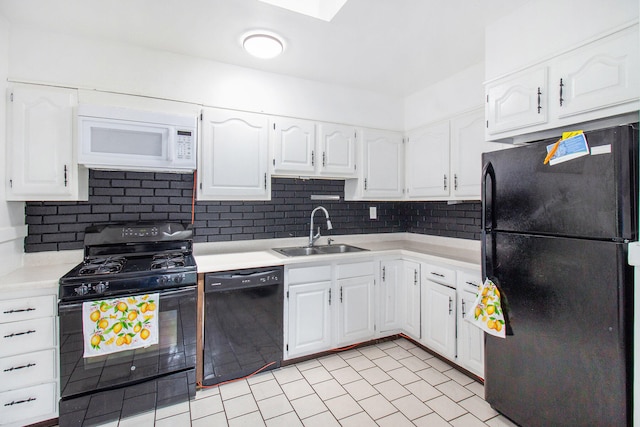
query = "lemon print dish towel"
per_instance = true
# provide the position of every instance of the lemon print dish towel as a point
(119, 324)
(486, 311)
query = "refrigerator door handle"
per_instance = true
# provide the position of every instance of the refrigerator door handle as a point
(487, 190)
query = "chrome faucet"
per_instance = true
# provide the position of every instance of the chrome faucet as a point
(313, 238)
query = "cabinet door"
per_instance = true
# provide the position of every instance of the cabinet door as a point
(338, 150)
(439, 318)
(390, 299)
(470, 337)
(356, 309)
(427, 160)
(233, 156)
(517, 101)
(597, 76)
(411, 309)
(383, 164)
(309, 318)
(40, 149)
(467, 146)
(294, 143)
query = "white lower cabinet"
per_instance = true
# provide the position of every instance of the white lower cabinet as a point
(28, 357)
(330, 305)
(336, 304)
(355, 287)
(470, 338)
(439, 310)
(390, 302)
(447, 296)
(309, 308)
(411, 299)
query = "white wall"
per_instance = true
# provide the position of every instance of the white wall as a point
(12, 228)
(98, 64)
(541, 28)
(459, 93)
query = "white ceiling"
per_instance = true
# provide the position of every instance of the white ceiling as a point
(393, 47)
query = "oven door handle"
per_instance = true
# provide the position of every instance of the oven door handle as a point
(64, 307)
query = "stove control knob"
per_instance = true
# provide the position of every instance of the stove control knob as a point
(101, 287)
(82, 290)
(162, 280)
(179, 278)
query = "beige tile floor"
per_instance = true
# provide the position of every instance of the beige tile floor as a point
(394, 383)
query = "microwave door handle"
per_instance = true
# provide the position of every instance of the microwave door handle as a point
(171, 144)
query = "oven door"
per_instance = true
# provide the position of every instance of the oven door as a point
(175, 351)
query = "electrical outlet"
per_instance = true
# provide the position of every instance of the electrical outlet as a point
(373, 212)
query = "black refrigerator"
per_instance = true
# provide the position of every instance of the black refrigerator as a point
(555, 243)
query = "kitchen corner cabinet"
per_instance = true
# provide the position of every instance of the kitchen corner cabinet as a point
(411, 299)
(444, 160)
(382, 176)
(439, 310)
(307, 148)
(29, 377)
(233, 156)
(597, 80)
(41, 159)
(390, 301)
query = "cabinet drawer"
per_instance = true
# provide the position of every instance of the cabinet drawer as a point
(27, 336)
(15, 310)
(356, 269)
(28, 403)
(439, 274)
(469, 282)
(26, 369)
(318, 273)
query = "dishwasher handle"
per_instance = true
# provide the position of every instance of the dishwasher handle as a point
(243, 279)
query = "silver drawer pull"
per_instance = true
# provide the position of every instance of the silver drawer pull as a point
(28, 365)
(437, 274)
(471, 283)
(17, 402)
(21, 310)
(19, 333)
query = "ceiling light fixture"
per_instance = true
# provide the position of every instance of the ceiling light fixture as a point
(262, 45)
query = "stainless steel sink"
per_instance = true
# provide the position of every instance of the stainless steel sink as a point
(318, 250)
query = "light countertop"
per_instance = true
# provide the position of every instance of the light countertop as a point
(43, 270)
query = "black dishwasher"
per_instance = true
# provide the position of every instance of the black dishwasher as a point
(243, 329)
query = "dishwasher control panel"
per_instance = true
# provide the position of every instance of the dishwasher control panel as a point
(247, 278)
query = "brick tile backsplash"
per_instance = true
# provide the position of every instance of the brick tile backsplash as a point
(117, 196)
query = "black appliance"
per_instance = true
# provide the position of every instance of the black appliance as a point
(122, 260)
(243, 330)
(555, 242)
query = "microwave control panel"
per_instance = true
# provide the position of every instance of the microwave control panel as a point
(185, 145)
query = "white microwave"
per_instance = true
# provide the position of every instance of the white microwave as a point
(125, 139)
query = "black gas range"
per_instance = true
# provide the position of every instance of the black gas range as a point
(122, 263)
(125, 258)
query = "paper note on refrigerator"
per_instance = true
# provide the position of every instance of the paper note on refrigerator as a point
(571, 146)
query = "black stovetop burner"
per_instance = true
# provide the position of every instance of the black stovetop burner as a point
(126, 258)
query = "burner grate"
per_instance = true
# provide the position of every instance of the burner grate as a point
(102, 265)
(167, 261)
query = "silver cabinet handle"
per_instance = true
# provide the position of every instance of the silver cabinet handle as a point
(17, 402)
(450, 308)
(20, 310)
(19, 333)
(15, 368)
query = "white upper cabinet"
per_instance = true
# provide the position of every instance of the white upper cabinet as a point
(597, 80)
(338, 150)
(294, 146)
(307, 148)
(602, 75)
(383, 167)
(467, 146)
(444, 160)
(517, 101)
(41, 160)
(233, 156)
(427, 161)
